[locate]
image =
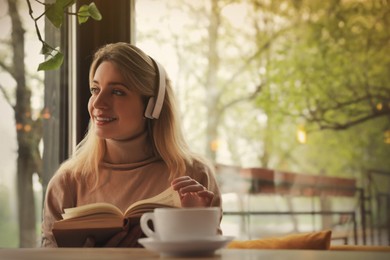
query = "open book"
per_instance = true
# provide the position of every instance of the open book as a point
(103, 220)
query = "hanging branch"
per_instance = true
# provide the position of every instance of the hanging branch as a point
(55, 13)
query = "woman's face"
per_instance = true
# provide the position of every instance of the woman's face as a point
(116, 111)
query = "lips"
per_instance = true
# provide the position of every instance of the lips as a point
(101, 120)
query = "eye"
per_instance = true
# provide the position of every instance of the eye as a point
(118, 92)
(94, 90)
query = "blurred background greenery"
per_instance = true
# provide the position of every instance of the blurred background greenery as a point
(291, 85)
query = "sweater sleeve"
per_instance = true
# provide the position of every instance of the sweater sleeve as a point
(206, 176)
(59, 195)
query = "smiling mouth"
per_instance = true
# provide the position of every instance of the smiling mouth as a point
(104, 119)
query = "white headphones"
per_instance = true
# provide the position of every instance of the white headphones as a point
(153, 109)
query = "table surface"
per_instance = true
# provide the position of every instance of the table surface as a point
(140, 253)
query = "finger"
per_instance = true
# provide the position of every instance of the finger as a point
(206, 194)
(89, 242)
(116, 239)
(179, 183)
(194, 200)
(183, 183)
(192, 189)
(181, 178)
(131, 240)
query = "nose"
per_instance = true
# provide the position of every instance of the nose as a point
(101, 100)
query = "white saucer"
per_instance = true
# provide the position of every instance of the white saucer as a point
(186, 248)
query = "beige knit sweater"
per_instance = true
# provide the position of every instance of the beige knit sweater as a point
(129, 173)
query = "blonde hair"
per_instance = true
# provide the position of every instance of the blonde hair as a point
(165, 133)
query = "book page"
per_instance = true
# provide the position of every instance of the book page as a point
(91, 209)
(169, 198)
(90, 221)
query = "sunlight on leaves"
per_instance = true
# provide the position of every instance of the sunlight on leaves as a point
(87, 11)
(94, 12)
(83, 14)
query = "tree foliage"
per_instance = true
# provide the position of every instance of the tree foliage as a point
(256, 70)
(335, 67)
(332, 73)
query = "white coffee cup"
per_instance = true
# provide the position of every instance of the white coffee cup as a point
(178, 224)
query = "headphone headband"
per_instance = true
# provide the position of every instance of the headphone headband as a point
(153, 109)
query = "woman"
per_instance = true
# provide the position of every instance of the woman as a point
(134, 148)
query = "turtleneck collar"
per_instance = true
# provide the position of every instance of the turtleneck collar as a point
(135, 150)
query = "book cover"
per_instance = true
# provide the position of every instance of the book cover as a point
(103, 220)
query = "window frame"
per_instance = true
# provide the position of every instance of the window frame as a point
(117, 25)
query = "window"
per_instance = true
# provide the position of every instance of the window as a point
(30, 125)
(250, 76)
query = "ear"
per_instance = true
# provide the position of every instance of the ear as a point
(154, 106)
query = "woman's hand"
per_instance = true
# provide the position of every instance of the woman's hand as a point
(192, 193)
(114, 241)
(89, 242)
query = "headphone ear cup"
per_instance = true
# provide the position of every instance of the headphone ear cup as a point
(153, 109)
(149, 108)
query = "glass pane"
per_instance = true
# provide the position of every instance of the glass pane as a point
(26, 112)
(264, 89)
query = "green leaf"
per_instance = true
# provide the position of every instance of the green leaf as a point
(66, 3)
(53, 62)
(94, 12)
(83, 14)
(55, 14)
(87, 11)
